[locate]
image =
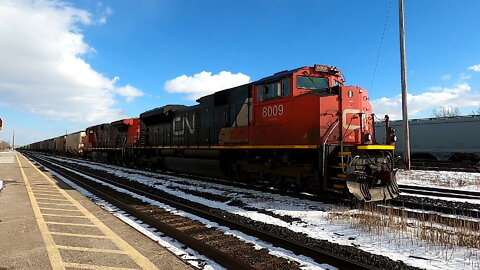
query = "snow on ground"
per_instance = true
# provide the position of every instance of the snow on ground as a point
(314, 218)
(1, 185)
(442, 179)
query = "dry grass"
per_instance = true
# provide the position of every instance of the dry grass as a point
(435, 232)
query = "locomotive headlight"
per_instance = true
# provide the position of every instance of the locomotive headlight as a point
(368, 137)
(394, 138)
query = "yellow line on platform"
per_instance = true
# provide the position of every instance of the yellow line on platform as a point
(52, 251)
(37, 182)
(95, 267)
(70, 224)
(59, 209)
(114, 251)
(64, 204)
(80, 235)
(51, 199)
(50, 195)
(43, 190)
(45, 197)
(136, 256)
(57, 215)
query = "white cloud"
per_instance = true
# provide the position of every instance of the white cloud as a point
(422, 105)
(129, 92)
(464, 76)
(42, 71)
(435, 88)
(103, 13)
(446, 77)
(475, 68)
(205, 83)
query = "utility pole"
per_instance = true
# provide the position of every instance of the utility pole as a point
(406, 129)
(13, 140)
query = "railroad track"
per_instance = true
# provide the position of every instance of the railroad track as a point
(225, 250)
(440, 192)
(410, 203)
(441, 165)
(431, 201)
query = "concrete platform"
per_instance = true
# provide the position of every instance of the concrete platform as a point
(45, 224)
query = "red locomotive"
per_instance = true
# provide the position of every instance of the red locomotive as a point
(300, 128)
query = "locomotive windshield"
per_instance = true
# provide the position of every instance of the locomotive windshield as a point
(307, 82)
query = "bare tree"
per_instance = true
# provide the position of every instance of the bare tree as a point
(446, 111)
(476, 112)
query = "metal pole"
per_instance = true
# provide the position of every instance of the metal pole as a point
(406, 130)
(13, 140)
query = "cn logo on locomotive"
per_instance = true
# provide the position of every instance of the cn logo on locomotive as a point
(275, 110)
(180, 123)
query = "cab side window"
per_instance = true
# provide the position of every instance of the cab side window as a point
(260, 92)
(272, 90)
(286, 87)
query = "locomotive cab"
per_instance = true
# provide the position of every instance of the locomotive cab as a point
(310, 108)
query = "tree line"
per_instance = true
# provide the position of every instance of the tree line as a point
(449, 111)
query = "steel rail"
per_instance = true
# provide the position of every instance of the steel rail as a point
(440, 192)
(435, 208)
(441, 165)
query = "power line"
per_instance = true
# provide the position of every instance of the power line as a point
(381, 42)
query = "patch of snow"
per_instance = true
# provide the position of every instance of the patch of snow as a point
(442, 179)
(1, 185)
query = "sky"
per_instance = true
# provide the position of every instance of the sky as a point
(66, 65)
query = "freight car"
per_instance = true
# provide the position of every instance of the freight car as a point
(74, 143)
(445, 138)
(300, 128)
(69, 145)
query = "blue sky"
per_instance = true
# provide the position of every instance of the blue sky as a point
(73, 64)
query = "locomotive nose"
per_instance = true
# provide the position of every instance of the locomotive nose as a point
(371, 177)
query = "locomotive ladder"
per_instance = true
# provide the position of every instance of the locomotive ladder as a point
(338, 174)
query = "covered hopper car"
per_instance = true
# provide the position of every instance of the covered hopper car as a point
(444, 138)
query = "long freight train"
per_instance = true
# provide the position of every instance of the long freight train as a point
(300, 128)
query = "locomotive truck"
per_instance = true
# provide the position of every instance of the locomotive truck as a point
(299, 128)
